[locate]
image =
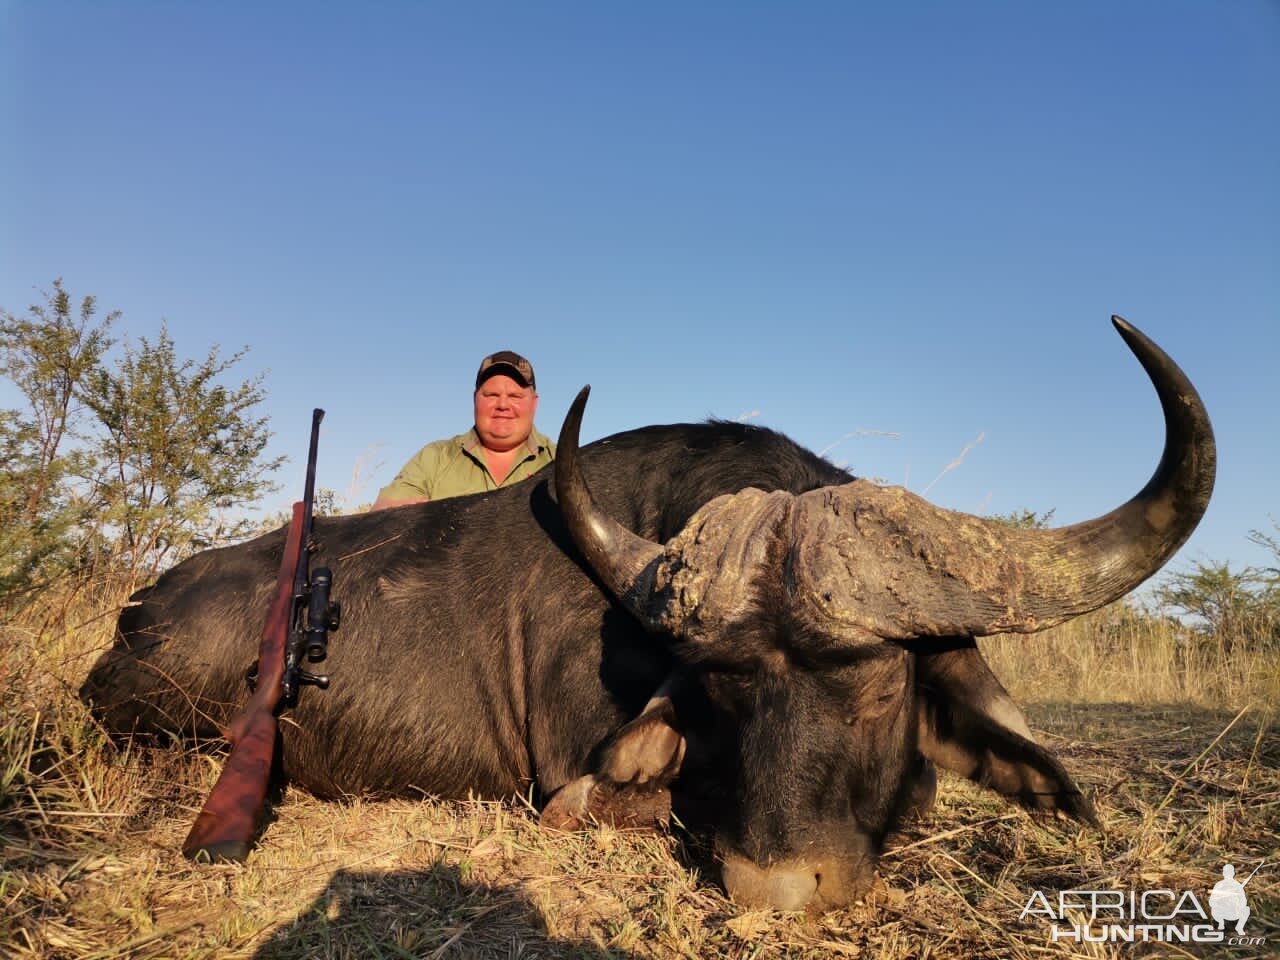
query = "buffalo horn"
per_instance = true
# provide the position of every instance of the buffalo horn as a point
(869, 561)
(884, 561)
(623, 561)
(1108, 556)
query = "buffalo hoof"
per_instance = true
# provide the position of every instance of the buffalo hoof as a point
(588, 802)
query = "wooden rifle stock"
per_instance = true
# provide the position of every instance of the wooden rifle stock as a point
(228, 822)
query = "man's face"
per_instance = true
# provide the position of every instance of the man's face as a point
(504, 412)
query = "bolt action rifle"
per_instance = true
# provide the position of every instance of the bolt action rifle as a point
(297, 625)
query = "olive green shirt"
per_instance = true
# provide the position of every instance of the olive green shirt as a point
(454, 467)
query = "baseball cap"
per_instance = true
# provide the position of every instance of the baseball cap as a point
(509, 362)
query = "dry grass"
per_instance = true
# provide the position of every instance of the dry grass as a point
(1181, 754)
(1117, 655)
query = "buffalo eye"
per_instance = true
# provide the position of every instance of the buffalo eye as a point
(873, 709)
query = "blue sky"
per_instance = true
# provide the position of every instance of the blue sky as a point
(886, 229)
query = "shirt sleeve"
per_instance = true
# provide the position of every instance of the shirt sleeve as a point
(415, 478)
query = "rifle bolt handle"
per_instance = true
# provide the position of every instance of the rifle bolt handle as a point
(320, 680)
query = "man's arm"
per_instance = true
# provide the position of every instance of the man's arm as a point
(417, 479)
(412, 483)
(385, 502)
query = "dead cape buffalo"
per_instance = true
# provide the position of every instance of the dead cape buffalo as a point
(708, 608)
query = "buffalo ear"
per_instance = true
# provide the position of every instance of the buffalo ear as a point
(969, 724)
(647, 751)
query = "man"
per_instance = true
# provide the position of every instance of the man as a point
(502, 447)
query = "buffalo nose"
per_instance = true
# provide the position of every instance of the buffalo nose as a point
(777, 887)
(820, 879)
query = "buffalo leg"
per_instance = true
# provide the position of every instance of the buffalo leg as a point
(630, 785)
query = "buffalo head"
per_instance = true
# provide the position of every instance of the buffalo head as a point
(829, 637)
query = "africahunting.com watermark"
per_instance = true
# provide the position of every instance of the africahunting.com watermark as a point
(1141, 916)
